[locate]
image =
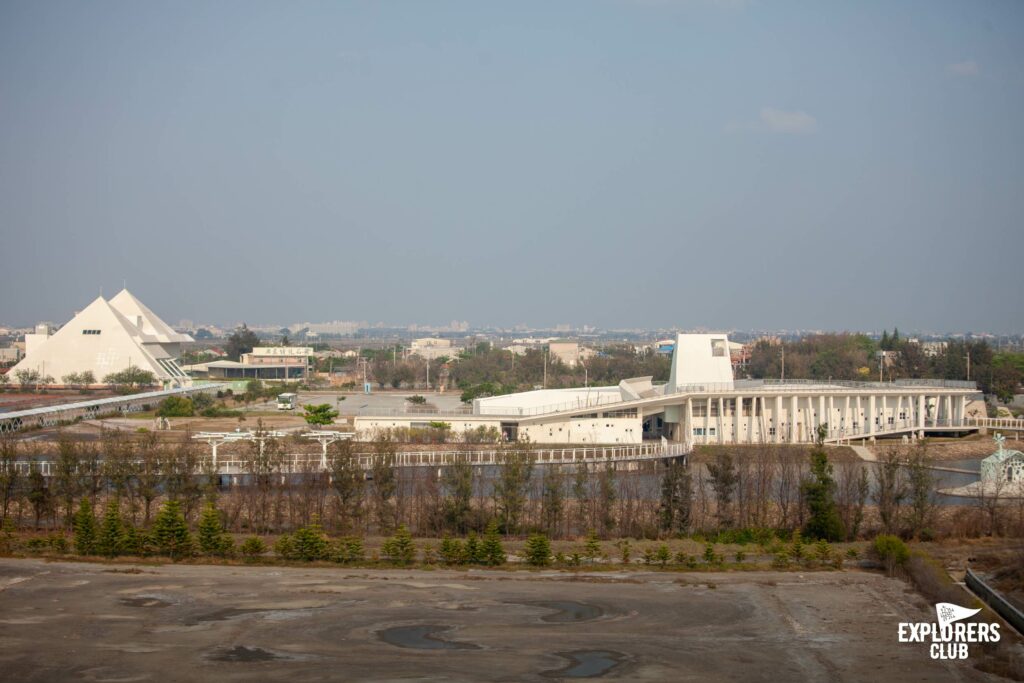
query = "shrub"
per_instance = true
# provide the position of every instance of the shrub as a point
(471, 552)
(253, 547)
(538, 550)
(592, 547)
(85, 528)
(932, 581)
(491, 551)
(309, 543)
(170, 533)
(349, 550)
(891, 551)
(740, 556)
(451, 551)
(284, 547)
(823, 550)
(176, 406)
(709, 554)
(212, 538)
(796, 549)
(625, 554)
(662, 555)
(400, 549)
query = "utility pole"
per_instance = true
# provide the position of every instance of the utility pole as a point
(545, 368)
(428, 374)
(783, 361)
(968, 366)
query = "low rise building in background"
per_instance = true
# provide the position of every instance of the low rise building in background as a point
(267, 363)
(430, 348)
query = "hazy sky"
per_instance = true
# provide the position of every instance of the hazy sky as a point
(609, 162)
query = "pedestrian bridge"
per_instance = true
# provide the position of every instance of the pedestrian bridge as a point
(306, 463)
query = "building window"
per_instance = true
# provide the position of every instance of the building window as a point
(771, 431)
(90, 331)
(698, 431)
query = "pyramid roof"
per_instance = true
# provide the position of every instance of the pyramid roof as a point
(147, 322)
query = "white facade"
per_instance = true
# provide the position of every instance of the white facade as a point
(430, 348)
(108, 337)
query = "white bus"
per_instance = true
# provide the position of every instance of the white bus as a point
(287, 401)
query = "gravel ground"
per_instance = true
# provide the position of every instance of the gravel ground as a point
(66, 621)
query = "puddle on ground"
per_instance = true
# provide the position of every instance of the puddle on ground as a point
(422, 637)
(587, 663)
(241, 653)
(145, 601)
(567, 611)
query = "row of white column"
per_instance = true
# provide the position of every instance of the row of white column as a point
(848, 416)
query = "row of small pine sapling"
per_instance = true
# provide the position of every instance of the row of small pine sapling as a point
(111, 535)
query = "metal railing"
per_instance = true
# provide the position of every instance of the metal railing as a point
(1015, 423)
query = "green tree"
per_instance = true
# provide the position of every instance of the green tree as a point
(170, 532)
(399, 548)
(592, 547)
(213, 540)
(242, 340)
(472, 552)
(176, 406)
(538, 550)
(110, 540)
(309, 543)
(510, 489)
(457, 481)
(253, 547)
(823, 520)
(552, 501)
(921, 483)
(662, 555)
(491, 550)
(130, 379)
(724, 479)
(321, 414)
(676, 495)
(85, 528)
(349, 483)
(349, 550)
(892, 551)
(451, 550)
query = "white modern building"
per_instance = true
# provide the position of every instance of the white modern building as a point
(702, 403)
(104, 338)
(431, 348)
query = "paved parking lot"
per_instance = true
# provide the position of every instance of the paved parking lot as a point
(75, 621)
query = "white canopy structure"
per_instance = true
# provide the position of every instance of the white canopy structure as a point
(107, 337)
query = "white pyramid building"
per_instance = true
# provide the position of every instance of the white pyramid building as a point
(107, 337)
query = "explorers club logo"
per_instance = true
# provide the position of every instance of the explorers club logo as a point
(949, 637)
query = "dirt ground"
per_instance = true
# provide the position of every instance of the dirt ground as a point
(74, 621)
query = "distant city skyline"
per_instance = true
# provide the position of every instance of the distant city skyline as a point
(618, 163)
